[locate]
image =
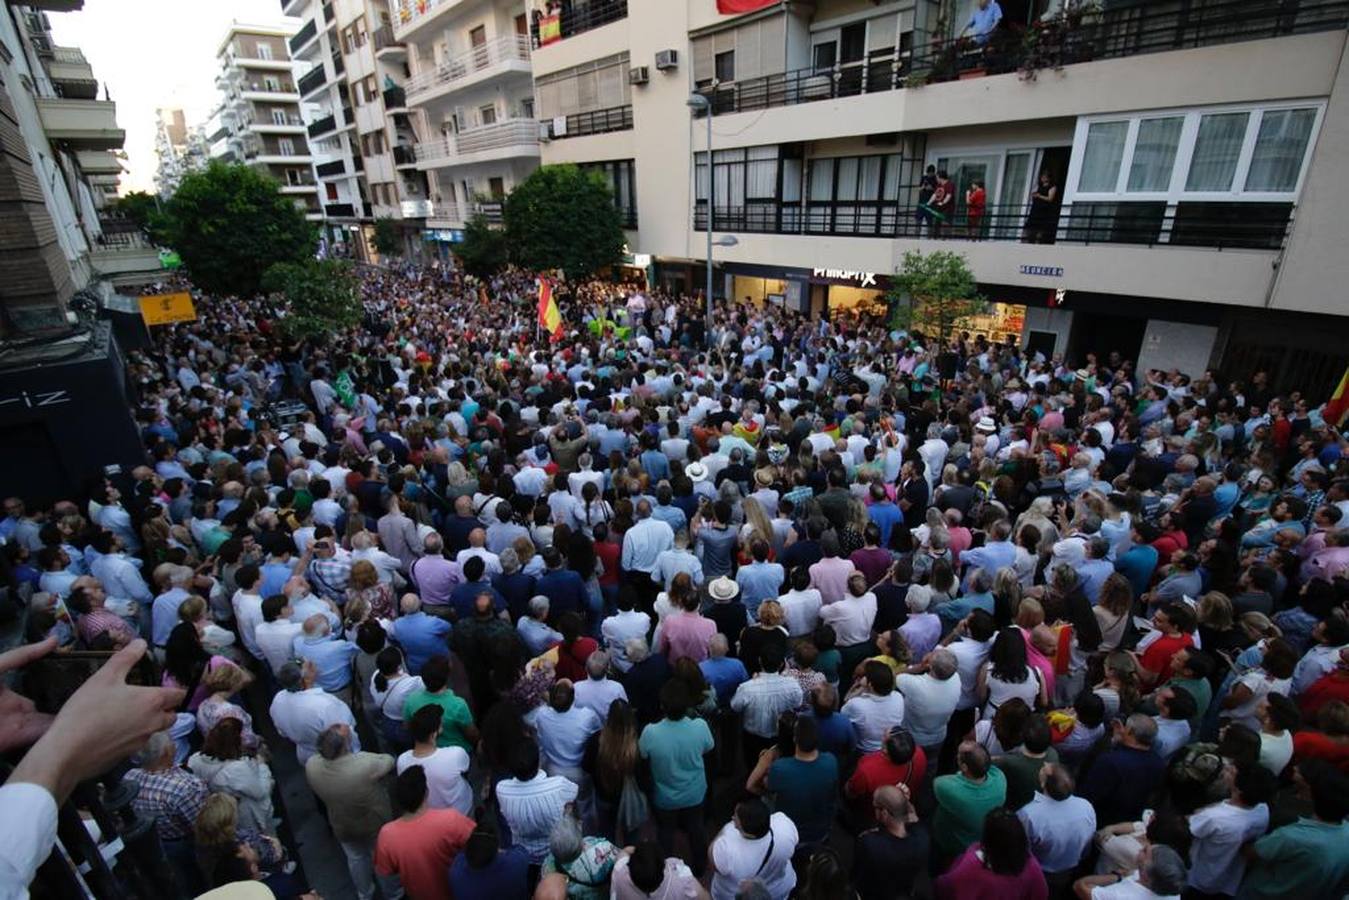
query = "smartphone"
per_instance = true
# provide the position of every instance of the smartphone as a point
(50, 681)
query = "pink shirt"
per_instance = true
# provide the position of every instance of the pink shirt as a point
(969, 879)
(829, 576)
(686, 634)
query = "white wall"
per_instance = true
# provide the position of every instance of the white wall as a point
(1175, 345)
(1057, 321)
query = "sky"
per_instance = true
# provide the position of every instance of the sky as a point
(156, 53)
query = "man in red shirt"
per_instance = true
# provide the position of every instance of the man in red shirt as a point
(420, 844)
(1175, 621)
(899, 761)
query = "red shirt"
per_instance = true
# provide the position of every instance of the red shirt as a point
(571, 662)
(1157, 658)
(419, 851)
(1330, 686)
(608, 553)
(1315, 745)
(875, 770)
(975, 201)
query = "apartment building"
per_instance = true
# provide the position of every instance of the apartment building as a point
(1195, 151)
(179, 149)
(260, 112)
(359, 121)
(472, 97)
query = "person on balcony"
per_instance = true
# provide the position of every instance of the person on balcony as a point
(983, 22)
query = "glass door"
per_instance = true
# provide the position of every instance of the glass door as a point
(965, 170)
(1012, 197)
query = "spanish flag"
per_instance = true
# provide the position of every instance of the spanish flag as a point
(1338, 404)
(550, 317)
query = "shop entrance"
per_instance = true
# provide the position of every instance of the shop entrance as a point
(1101, 334)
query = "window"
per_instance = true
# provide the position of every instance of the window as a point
(287, 146)
(724, 66)
(853, 42)
(527, 108)
(1154, 154)
(272, 84)
(825, 55)
(522, 25)
(1105, 152)
(496, 187)
(1280, 147)
(279, 117)
(487, 115)
(602, 84)
(294, 177)
(1217, 149)
(477, 37)
(330, 190)
(370, 88)
(264, 51)
(621, 177)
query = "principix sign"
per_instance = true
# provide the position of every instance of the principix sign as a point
(847, 276)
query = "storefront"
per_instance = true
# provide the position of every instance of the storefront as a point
(817, 292)
(440, 242)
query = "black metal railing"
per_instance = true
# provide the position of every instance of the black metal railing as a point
(339, 210)
(599, 121)
(384, 38)
(336, 167)
(322, 126)
(304, 36)
(404, 155)
(395, 98)
(313, 80)
(348, 116)
(1221, 226)
(573, 21)
(1122, 29)
(76, 88)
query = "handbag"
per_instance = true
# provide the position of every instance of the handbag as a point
(633, 807)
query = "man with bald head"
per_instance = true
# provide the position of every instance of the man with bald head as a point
(331, 656)
(887, 858)
(643, 543)
(421, 636)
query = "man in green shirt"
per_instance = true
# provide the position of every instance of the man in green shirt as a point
(805, 785)
(457, 728)
(1192, 669)
(674, 748)
(1021, 767)
(1308, 859)
(963, 799)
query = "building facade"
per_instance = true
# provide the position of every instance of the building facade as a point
(180, 149)
(258, 122)
(1192, 154)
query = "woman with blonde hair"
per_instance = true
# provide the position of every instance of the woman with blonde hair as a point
(756, 524)
(1218, 632)
(220, 684)
(1119, 689)
(1112, 610)
(770, 630)
(853, 535)
(366, 587)
(216, 640)
(1006, 596)
(1040, 513)
(458, 483)
(218, 835)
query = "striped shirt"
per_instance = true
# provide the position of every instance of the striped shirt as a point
(531, 809)
(762, 699)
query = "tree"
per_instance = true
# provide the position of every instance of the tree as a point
(483, 251)
(230, 224)
(932, 293)
(322, 296)
(143, 209)
(388, 241)
(563, 218)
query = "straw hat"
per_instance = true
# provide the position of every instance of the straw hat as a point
(723, 589)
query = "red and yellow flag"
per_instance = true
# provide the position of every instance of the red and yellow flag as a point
(550, 317)
(1338, 404)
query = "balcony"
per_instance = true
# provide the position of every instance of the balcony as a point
(502, 140)
(506, 54)
(340, 211)
(309, 32)
(571, 22)
(329, 169)
(416, 209)
(395, 98)
(600, 121)
(1121, 30)
(323, 126)
(386, 43)
(55, 5)
(404, 155)
(67, 63)
(83, 124)
(313, 80)
(76, 88)
(99, 162)
(278, 91)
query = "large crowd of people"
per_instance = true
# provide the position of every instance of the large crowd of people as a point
(760, 607)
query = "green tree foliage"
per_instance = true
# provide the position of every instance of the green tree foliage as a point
(143, 209)
(563, 218)
(230, 224)
(322, 295)
(483, 251)
(387, 239)
(932, 293)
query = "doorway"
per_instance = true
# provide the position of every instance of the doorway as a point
(1102, 334)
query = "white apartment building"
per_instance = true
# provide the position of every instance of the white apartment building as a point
(260, 112)
(1196, 152)
(472, 95)
(179, 149)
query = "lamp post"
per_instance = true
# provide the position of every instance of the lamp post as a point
(700, 102)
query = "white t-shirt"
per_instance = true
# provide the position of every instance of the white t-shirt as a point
(801, 610)
(769, 859)
(873, 716)
(446, 786)
(1129, 889)
(970, 655)
(390, 701)
(1260, 686)
(1219, 831)
(928, 704)
(274, 640)
(1276, 751)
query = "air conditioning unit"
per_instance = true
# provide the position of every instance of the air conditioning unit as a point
(639, 75)
(667, 59)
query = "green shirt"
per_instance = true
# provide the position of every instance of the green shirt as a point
(1308, 859)
(1023, 775)
(961, 807)
(455, 716)
(675, 750)
(806, 792)
(1201, 691)
(829, 662)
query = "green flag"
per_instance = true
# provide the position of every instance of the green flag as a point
(346, 389)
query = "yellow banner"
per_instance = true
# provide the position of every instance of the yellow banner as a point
(165, 309)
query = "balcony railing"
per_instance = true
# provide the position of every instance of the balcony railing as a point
(304, 36)
(459, 68)
(1122, 29)
(558, 26)
(1222, 226)
(76, 88)
(522, 133)
(599, 121)
(262, 87)
(395, 98)
(313, 80)
(328, 169)
(69, 55)
(340, 210)
(323, 126)
(404, 155)
(384, 39)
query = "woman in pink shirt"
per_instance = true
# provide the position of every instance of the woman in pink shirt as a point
(685, 633)
(999, 867)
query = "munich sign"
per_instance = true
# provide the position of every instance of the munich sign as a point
(863, 279)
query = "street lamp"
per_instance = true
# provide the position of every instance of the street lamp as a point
(700, 102)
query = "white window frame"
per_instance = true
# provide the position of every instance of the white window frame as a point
(1176, 192)
(265, 51)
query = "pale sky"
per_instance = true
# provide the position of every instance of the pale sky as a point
(154, 53)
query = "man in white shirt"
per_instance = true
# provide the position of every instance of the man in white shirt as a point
(275, 634)
(598, 691)
(973, 639)
(757, 845)
(577, 480)
(477, 541)
(1220, 830)
(623, 626)
(930, 698)
(562, 729)
(933, 452)
(1059, 826)
(874, 706)
(446, 768)
(387, 565)
(117, 572)
(247, 604)
(532, 802)
(302, 711)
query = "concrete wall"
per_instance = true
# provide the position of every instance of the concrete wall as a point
(1057, 321)
(1175, 345)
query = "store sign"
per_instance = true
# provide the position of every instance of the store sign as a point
(860, 279)
(1043, 271)
(446, 235)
